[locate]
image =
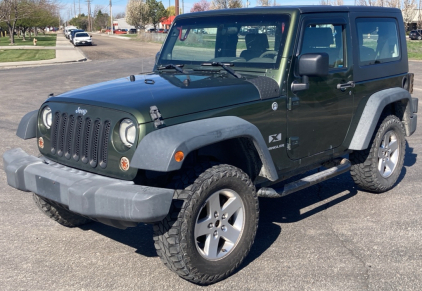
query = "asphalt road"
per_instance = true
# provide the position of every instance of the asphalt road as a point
(111, 48)
(328, 237)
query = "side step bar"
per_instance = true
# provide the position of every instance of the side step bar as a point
(295, 186)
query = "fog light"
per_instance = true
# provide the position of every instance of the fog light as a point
(178, 156)
(124, 164)
(41, 143)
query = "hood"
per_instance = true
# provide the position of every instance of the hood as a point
(173, 94)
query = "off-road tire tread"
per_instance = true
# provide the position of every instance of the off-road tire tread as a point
(364, 162)
(169, 241)
(59, 214)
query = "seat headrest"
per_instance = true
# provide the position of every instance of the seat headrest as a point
(256, 41)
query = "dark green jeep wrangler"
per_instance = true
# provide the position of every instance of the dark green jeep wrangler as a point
(238, 101)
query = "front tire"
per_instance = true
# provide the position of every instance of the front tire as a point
(377, 168)
(211, 225)
(58, 213)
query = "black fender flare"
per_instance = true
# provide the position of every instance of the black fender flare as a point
(28, 125)
(156, 150)
(372, 112)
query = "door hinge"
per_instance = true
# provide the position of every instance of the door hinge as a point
(292, 142)
(292, 101)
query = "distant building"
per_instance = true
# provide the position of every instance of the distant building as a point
(120, 23)
(166, 23)
(414, 24)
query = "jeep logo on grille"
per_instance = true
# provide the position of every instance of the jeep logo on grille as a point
(81, 111)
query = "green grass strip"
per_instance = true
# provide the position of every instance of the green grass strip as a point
(42, 40)
(26, 55)
(414, 49)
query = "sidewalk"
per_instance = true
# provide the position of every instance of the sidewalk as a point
(65, 53)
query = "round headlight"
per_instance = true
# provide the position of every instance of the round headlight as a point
(47, 117)
(127, 132)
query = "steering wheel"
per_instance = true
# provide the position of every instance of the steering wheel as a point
(269, 53)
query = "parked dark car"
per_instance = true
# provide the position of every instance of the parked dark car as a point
(72, 34)
(416, 34)
(133, 31)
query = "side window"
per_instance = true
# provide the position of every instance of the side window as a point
(378, 40)
(325, 38)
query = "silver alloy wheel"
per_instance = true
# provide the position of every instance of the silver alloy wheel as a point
(219, 225)
(388, 154)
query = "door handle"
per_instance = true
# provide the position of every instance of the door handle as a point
(344, 86)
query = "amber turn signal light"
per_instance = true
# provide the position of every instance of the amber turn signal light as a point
(124, 164)
(178, 156)
(41, 143)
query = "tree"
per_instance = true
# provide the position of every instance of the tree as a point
(367, 2)
(171, 10)
(419, 15)
(263, 3)
(409, 11)
(392, 3)
(120, 15)
(101, 20)
(156, 12)
(202, 5)
(10, 12)
(81, 21)
(136, 13)
(224, 4)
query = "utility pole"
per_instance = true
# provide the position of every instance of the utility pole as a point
(74, 7)
(111, 19)
(176, 7)
(79, 7)
(89, 14)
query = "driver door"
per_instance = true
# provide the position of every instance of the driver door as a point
(318, 117)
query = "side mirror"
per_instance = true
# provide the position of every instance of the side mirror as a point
(311, 65)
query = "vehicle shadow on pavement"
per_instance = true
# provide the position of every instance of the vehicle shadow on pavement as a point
(409, 160)
(139, 237)
(288, 210)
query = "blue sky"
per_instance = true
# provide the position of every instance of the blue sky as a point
(120, 5)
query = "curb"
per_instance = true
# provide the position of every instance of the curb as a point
(17, 66)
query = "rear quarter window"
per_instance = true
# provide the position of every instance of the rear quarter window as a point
(378, 40)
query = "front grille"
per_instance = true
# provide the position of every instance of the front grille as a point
(80, 138)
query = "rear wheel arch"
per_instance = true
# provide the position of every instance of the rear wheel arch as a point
(395, 101)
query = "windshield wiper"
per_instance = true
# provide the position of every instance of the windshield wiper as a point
(171, 66)
(224, 66)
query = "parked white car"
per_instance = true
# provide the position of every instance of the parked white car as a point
(82, 38)
(68, 29)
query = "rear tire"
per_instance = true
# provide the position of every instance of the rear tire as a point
(58, 213)
(377, 168)
(211, 225)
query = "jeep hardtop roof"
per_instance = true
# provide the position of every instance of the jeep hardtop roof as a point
(300, 9)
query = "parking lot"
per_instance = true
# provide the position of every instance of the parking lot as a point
(331, 236)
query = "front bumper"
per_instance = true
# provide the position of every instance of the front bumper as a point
(84, 42)
(111, 201)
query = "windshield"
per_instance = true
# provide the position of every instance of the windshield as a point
(84, 34)
(243, 40)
